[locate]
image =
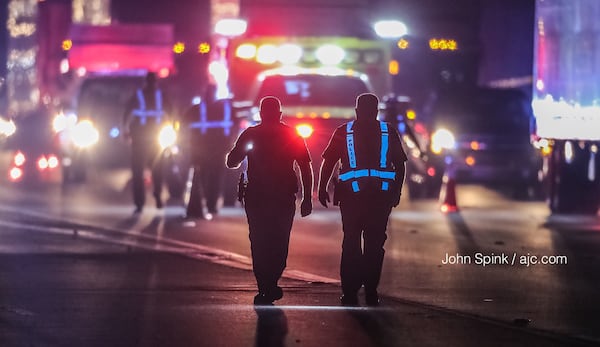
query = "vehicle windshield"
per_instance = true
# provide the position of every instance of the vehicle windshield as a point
(314, 90)
(484, 112)
(106, 97)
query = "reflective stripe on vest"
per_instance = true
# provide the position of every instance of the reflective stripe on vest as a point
(356, 174)
(204, 124)
(143, 113)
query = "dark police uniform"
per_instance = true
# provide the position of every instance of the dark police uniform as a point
(372, 158)
(270, 199)
(210, 128)
(143, 117)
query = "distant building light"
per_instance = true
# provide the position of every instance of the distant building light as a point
(443, 45)
(394, 67)
(67, 45)
(178, 48)
(204, 48)
(402, 44)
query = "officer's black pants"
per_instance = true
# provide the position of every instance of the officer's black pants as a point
(270, 223)
(195, 206)
(142, 156)
(364, 219)
(213, 175)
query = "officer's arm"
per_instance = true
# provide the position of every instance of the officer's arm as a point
(238, 152)
(306, 174)
(326, 170)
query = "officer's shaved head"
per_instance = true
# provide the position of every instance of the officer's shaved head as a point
(367, 106)
(270, 109)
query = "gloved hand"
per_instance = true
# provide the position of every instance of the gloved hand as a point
(306, 207)
(324, 197)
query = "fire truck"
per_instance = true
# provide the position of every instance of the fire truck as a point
(316, 67)
(566, 103)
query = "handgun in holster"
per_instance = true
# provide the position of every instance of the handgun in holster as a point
(242, 186)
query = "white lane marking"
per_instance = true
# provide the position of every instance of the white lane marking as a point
(165, 244)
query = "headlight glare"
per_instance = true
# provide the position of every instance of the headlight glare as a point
(442, 139)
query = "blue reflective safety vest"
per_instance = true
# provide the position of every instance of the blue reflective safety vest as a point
(143, 113)
(382, 172)
(204, 124)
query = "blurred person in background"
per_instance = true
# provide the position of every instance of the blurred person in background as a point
(144, 114)
(209, 128)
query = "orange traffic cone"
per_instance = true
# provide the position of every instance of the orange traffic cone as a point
(448, 194)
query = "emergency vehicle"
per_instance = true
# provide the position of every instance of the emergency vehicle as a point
(317, 78)
(104, 66)
(566, 99)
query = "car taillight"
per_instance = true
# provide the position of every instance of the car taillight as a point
(304, 130)
(42, 163)
(19, 159)
(52, 161)
(15, 174)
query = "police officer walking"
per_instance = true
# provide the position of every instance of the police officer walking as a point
(142, 119)
(270, 197)
(209, 127)
(370, 182)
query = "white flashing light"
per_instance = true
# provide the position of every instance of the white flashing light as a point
(7, 127)
(539, 84)
(266, 54)
(390, 29)
(330, 54)
(568, 152)
(219, 72)
(563, 120)
(246, 51)
(289, 54)
(231, 27)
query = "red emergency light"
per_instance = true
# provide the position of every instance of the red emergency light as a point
(121, 47)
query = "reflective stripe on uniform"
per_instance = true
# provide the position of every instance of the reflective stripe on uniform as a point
(204, 124)
(350, 145)
(143, 113)
(355, 174)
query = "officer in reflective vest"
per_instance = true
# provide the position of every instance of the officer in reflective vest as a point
(370, 181)
(143, 116)
(210, 132)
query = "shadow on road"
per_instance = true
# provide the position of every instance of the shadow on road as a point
(271, 327)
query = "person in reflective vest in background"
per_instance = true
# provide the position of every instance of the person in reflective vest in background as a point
(209, 127)
(370, 182)
(272, 149)
(146, 111)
